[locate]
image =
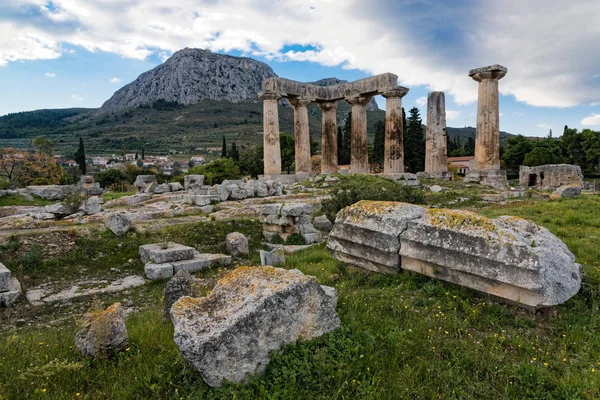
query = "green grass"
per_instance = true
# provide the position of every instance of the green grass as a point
(20, 201)
(403, 336)
(116, 195)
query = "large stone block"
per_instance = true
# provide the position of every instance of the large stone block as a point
(10, 297)
(193, 182)
(202, 261)
(4, 278)
(161, 253)
(51, 192)
(117, 223)
(296, 209)
(145, 183)
(158, 271)
(508, 257)
(200, 200)
(251, 312)
(104, 333)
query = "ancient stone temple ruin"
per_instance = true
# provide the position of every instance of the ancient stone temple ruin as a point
(487, 142)
(550, 176)
(358, 93)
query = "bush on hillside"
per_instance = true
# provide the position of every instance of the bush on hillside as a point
(217, 171)
(110, 177)
(355, 188)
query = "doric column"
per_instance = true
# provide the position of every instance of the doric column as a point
(301, 134)
(393, 162)
(487, 142)
(359, 153)
(436, 157)
(272, 151)
(329, 137)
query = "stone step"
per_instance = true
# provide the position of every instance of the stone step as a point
(160, 253)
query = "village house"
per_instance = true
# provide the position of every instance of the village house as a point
(464, 164)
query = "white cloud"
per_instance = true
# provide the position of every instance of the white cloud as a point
(450, 115)
(544, 126)
(392, 36)
(592, 120)
(76, 97)
(421, 101)
(114, 80)
(50, 74)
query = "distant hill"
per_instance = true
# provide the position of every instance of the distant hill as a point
(469, 131)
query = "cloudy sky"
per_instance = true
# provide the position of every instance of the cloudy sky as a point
(76, 53)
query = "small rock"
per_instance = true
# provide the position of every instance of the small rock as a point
(117, 223)
(103, 333)
(334, 277)
(436, 188)
(237, 244)
(322, 223)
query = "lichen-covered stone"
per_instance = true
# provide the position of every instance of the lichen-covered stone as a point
(507, 257)
(182, 284)
(322, 223)
(251, 312)
(117, 223)
(158, 271)
(4, 278)
(160, 253)
(567, 191)
(103, 333)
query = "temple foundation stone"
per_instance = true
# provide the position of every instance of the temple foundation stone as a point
(272, 149)
(359, 154)
(393, 162)
(329, 150)
(301, 135)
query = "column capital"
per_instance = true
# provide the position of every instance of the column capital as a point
(399, 91)
(299, 101)
(495, 71)
(327, 105)
(268, 95)
(359, 100)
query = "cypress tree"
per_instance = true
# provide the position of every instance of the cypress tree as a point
(143, 153)
(80, 157)
(345, 149)
(340, 141)
(379, 143)
(224, 149)
(414, 142)
(233, 152)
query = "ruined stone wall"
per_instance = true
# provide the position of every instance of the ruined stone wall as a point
(550, 176)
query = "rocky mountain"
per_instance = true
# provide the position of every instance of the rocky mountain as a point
(192, 75)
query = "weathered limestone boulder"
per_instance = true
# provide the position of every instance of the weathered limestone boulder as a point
(202, 261)
(182, 284)
(175, 186)
(158, 271)
(103, 333)
(160, 253)
(272, 258)
(508, 257)
(51, 192)
(10, 288)
(250, 312)
(162, 188)
(566, 191)
(4, 278)
(59, 210)
(237, 244)
(92, 205)
(322, 223)
(145, 183)
(193, 183)
(117, 223)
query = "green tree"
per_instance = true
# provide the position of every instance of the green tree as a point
(345, 149)
(288, 151)
(233, 152)
(42, 145)
(515, 151)
(251, 161)
(143, 153)
(224, 148)
(414, 142)
(590, 142)
(469, 148)
(80, 157)
(340, 140)
(379, 143)
(139, 163)
(110, 177)
(215, 172)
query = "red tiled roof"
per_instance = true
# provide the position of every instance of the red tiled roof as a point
(462, 158)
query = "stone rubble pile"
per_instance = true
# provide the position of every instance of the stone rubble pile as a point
(284, 220)
(163, 260)
(251, 312)
(508, 257)
(10, 288)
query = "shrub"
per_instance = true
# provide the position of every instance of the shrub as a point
(363, 187)
(31, 260)
(217, 171)
(74, 200)
(110, 177)
(295, 239)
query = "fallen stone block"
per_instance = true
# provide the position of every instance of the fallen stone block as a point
(182, 284)
(322, 223)
(51, 192)
(158, 271)
(237, 244)
(145, 183)
(567, 191)
(10, 296)
(272, 258)
(251, 312)
(4, 278)
(161, 253)
(296, 209)
(508, 258)
(202, 261)
(92, 206)
(175, 186)
(117, 223)
(237, 193)
(200, 200)
(59, 210)
(193, 182)
(162, 188)
(103, 334)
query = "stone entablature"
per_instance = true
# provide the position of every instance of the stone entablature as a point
(550, 176)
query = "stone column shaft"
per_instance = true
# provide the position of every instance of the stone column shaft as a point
(272, 149)
(393, 162)
(301, 135)
(359, 153)
(436, 157)
(487, 141)
(329, 149)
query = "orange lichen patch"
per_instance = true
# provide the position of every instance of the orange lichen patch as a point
(466, 221)
(366, 208)
(184, 304)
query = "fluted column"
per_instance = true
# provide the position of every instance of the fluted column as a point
(436, 157)
(272, 149)
(393, 162)
(301, 135)
(359, 154)
(329, 137)
(487, 142)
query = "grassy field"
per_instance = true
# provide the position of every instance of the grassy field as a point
(21, 201)
(403, 336)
